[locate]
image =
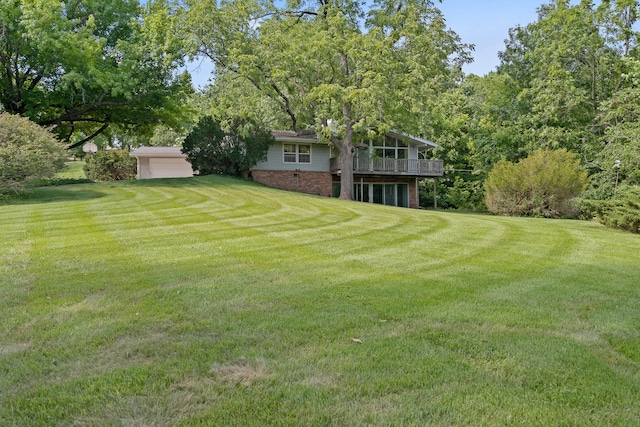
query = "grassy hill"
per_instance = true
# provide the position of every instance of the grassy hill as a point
(212, 301)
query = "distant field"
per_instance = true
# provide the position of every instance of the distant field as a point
(72, 170)
(212, 301)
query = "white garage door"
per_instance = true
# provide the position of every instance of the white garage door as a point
(169, 168)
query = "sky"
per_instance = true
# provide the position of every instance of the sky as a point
(483, 23)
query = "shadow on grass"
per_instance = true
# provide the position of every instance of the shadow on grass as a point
(53, 194)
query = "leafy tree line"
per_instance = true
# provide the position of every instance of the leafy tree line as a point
(569, 80)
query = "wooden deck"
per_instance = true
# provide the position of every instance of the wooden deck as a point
(404, 167)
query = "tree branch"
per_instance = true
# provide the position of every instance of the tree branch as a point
(90, 137)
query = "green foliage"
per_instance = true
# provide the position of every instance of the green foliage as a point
(164, 136)
(83, 66)
(543, 184)
(565, 66)
(568, 80)
(232, 99)
(27, 153)
(210, 149)
(342, 67)
(616, 158)
(622, 211)
(110, 165)
(457, 193)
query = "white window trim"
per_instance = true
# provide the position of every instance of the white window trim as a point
(297, 154)
(385, 145)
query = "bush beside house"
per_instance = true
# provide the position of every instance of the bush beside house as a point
(211, 149)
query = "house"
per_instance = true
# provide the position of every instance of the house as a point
(162, 162)
(385, 171)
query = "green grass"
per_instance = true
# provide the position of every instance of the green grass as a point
(73, 170)
(73, 173)
(211, 301)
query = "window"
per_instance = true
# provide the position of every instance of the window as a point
(390, 148)
(297, 153)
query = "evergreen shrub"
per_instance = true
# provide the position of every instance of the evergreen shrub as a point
(213, 150)
(622, 211)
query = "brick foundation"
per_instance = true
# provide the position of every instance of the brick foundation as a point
(318, 183)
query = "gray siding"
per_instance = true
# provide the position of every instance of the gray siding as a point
(413, 152)
(320, 155)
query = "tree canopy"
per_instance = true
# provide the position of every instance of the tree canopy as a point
(344, 68)
(81, 66)
(347, 69)
(211, 149)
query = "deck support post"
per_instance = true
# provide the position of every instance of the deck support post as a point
(435, 193)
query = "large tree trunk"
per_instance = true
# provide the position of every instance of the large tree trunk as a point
(345, 162)
(346, 152)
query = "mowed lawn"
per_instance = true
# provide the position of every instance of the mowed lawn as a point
(213, 301)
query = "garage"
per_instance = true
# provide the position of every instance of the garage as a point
(162, 162)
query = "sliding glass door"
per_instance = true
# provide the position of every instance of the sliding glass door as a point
(384, 194)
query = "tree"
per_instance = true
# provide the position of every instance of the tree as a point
(474, 126)
(564, 66)
(569, 79)
(542, 184)
(164, 136)
(233, 99)
(333, 66)
(616, 157)
(28, 152)
(81, 66)
(211, 150)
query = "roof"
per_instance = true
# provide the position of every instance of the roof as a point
(293, 136)
(166, 152)
(414, 139)
(310, 137)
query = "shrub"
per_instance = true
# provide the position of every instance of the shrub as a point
(543, 184)
(455, 193)
(110, 165)
(28, 153)
(621, 212)
(211, 150)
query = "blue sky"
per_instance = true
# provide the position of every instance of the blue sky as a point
(484, 23)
